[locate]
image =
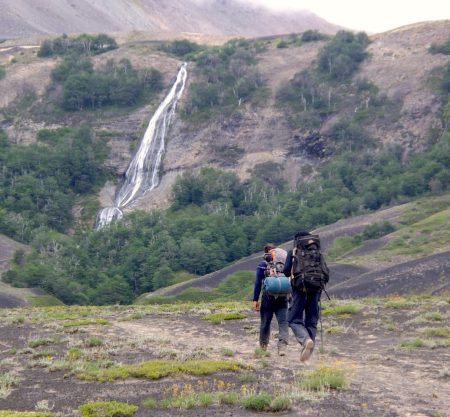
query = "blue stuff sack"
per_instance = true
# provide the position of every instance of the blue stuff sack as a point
(277, 285)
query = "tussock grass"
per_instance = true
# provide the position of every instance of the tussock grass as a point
(217, 318)
(264, 401)
(436, 332)
(341, 309)
(107, 409)
(157, 369)
(323, 377)
(94, 342)
(8, 381)
(413, 344)
(261, 353)
(400, 303)
(42, 341)
(434, 316)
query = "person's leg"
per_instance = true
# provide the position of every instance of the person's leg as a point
(311, 319)
(282, 319)
(266, 313)
(312, 313)
(295, 317)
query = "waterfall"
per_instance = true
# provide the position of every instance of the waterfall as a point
(142, 173)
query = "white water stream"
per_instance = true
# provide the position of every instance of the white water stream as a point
(142, 174)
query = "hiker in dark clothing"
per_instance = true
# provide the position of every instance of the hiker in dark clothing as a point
(269, 306)
(304, 311)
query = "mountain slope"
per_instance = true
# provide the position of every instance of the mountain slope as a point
(24, 18)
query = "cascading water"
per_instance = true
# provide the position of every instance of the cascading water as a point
(142, 173)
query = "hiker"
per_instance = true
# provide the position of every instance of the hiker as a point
(271, 304)
(309, 274)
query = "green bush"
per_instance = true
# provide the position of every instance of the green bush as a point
(181, 48)
(313, 36)
(443, 48)
(340, 58)
(227, 79)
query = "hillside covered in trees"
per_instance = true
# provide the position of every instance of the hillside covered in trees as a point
(262, 156)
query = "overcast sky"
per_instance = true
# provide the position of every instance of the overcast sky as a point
(371, 16)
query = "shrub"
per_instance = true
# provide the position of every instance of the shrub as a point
(182, 48)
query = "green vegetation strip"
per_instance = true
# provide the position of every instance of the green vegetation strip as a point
(341, 309)
(11, 413)
(156, 369)
(107, 409)
(218, 318)
(86, 322)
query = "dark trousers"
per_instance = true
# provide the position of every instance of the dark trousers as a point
(270, 306)
(304, 314)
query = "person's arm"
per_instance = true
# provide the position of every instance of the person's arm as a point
(287, 270)
(259, 278)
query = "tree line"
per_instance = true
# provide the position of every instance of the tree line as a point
(215, 219)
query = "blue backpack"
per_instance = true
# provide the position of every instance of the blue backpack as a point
(275, 282)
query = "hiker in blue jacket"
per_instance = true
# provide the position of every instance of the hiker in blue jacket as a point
(269, 306)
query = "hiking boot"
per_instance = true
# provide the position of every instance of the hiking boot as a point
(282, 349)
(307, 350)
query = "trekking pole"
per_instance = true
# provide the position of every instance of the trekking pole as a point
(321, 327)
(320, 318)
